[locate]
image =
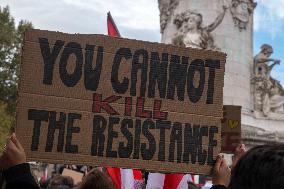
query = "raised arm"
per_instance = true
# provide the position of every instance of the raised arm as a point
(17, 173)
(275, 62)
(218, 21)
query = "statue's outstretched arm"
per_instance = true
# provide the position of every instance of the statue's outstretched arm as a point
(272, 65)
(218, 21)
(266, 60)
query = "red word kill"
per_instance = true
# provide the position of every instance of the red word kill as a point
(106, 105)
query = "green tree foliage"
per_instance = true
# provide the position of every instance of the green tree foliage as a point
(5, 124)
(11, 37)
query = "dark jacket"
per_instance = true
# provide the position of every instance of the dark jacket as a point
(20, 176)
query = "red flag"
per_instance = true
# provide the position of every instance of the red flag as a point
(111, 27)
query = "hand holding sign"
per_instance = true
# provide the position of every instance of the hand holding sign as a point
(221, 172)
(239, 152)
(13, 154)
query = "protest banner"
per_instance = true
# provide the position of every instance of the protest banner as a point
(75, 175)
(99, 100)
(231, 128)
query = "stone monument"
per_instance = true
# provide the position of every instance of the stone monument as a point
(227, 25)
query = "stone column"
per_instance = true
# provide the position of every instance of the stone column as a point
(234, 36)
(203, 24)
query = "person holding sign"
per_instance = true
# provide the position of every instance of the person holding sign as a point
(17, 172)
(261, 167)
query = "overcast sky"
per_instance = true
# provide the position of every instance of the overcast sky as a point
(138, 19)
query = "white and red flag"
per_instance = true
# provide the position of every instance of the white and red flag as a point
(122, 178)
(168, 181)
(126, 178)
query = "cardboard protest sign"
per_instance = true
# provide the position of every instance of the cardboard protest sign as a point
(231, 128)
(75, 175)
(98, 100)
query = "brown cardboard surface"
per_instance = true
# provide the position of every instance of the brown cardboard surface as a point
(58, 114)
(76, 176)
(231, 128)
(29, 84)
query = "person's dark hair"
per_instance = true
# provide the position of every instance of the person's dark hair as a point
(61, 182)
(96, 179)
(261, 167)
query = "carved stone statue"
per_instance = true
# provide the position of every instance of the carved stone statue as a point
(191, 33)
(166, 10)
(241, 11)
(274, 101)
(269, 94)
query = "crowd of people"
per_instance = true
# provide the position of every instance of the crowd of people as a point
(261, 167)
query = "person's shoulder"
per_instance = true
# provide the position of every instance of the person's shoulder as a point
(20, 176)
(16, 171)
(260, 55)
